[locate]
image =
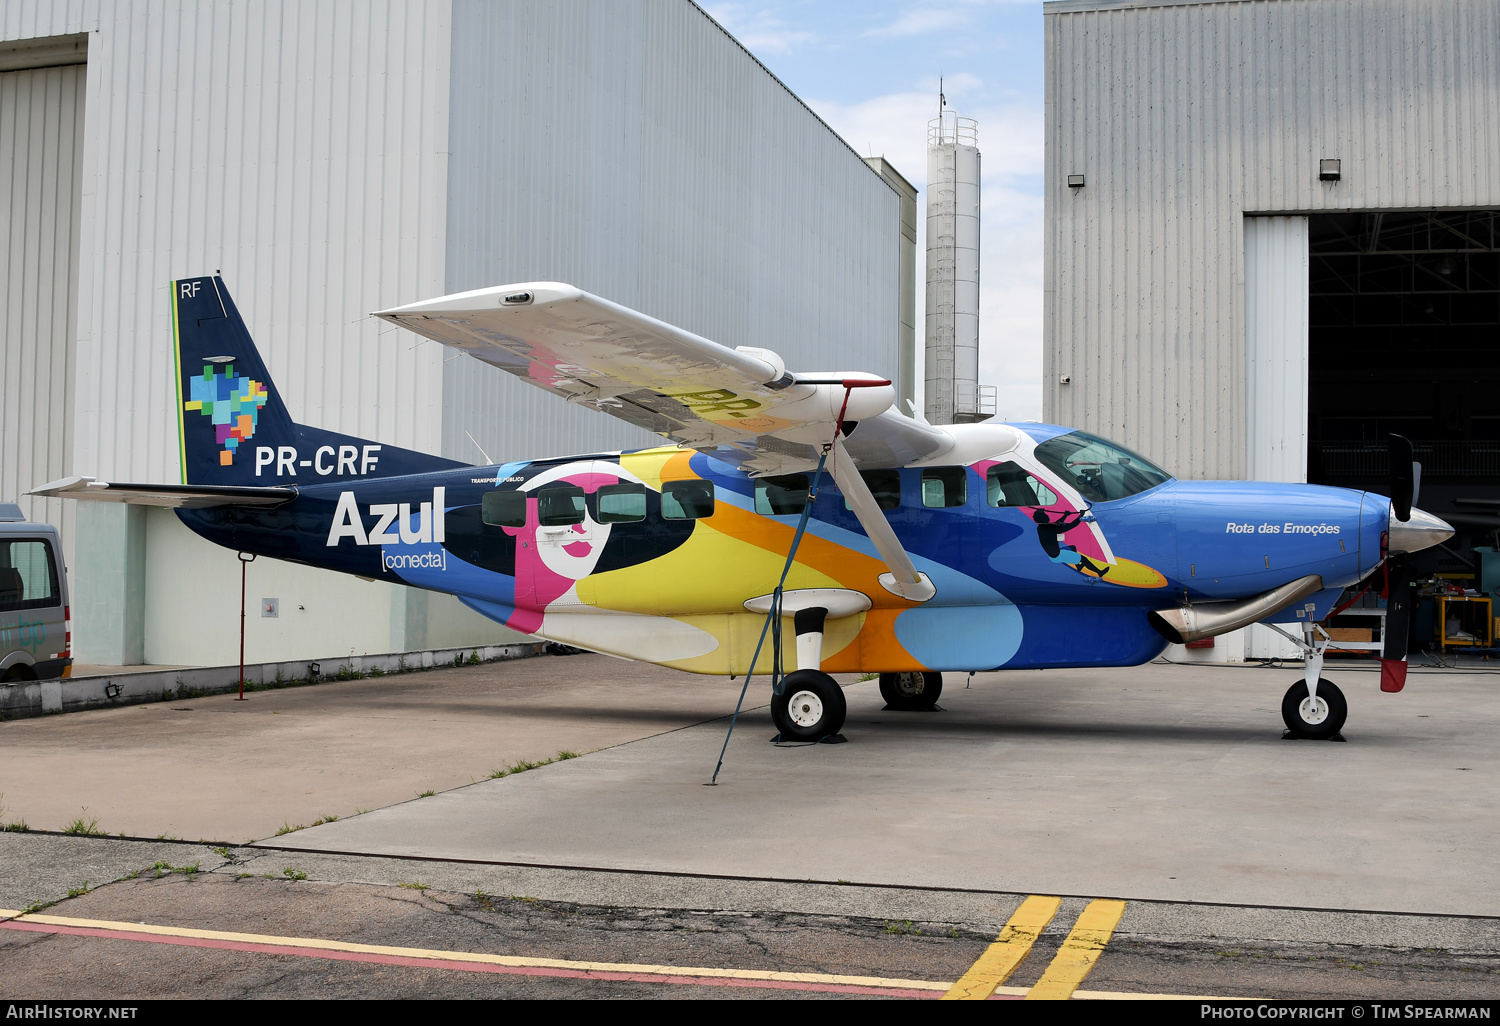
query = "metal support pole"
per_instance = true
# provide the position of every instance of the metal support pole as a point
(243, 563)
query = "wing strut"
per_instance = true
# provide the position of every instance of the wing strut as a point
(904, 579)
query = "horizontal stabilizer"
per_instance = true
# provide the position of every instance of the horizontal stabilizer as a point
(174, 496)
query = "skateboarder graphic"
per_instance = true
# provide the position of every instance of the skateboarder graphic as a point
(1049, 533)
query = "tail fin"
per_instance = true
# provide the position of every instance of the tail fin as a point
(233, 428)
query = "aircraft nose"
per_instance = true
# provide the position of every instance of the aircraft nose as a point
(1422, 531)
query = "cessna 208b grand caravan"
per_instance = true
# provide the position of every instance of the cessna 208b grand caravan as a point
(933, 548)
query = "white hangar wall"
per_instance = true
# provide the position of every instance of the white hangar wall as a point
(1188, 118)
(304, 149)
(634, 149)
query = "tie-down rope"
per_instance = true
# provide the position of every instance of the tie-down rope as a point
(773, 615)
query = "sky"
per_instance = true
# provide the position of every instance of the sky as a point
(871, 69)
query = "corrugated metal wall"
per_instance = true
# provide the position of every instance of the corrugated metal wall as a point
(632, 148)
(297, 146)
(1186, 117)
(41, 160)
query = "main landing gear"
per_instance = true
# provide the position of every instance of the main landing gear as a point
(911, 692)
(810, 707)
(1313, 708)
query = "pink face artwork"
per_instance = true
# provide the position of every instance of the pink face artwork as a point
(551, 560)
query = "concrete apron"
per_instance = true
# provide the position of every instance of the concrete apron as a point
(73, 694)
(1159, 782)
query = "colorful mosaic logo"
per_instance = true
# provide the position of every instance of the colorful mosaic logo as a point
(231, 402)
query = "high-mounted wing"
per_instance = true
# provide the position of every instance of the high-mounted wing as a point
(176, 496)
(741, 405)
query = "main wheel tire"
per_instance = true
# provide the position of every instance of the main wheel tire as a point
(911, 692)
(810, 707)
(1317, 719)
(18, 673)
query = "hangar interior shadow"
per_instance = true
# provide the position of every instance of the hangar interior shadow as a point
(1404, 337)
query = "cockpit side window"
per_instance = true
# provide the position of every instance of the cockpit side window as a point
(1007, 484)
(1100, 470)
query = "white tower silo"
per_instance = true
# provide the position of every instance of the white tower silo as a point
(952, 392)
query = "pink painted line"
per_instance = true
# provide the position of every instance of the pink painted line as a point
(462, 966)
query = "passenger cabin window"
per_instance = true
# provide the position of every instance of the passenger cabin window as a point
(945, 486)
(1100, 470)
(780, 496)
(503, 509)
(1008, 485)
(885, 485)
(687, 500)
(559, 504)
(620, 503)
(28, 576)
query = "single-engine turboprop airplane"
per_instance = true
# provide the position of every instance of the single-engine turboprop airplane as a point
(926, 549)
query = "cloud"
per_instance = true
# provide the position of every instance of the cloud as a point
(927, 17)
(758, 28)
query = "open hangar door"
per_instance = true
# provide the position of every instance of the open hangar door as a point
(1404, 337)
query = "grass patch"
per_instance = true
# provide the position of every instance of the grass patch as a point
(167, 869)
(15, 826)
(243, 876)
(81, 827)
(902, 928)
(868, 676)
(292, 874)
(288, 828)
(78, 892)
(417, 885)
(522, 765)
(426, 794)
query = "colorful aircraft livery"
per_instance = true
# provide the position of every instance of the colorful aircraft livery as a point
(926, 548)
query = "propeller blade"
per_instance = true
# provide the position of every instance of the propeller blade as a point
(1403, 483)
(1397, 623)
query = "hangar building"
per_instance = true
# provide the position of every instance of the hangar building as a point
(333, 159)
(1273, 236)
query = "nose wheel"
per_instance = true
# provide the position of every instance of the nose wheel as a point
(1314, 717)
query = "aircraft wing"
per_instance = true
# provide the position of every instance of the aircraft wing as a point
(739, 405)
(178, 496)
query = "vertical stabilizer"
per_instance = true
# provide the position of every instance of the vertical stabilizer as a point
(232, 426)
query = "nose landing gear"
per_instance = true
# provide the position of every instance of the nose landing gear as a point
(1316, 716)
(1313, 708)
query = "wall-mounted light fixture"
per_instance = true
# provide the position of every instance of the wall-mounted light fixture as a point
(1329, 169)
(1075, 181)
(1066, 379)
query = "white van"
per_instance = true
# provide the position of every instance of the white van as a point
(36, 639)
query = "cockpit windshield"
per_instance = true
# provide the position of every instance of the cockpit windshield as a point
(1100, 470)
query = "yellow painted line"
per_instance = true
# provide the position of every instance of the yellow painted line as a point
(554, 963)
(1079, 952)
(316, 944)
(1010, 948)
